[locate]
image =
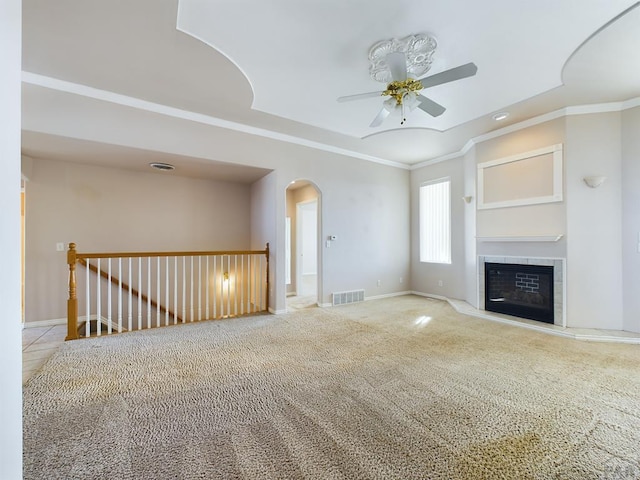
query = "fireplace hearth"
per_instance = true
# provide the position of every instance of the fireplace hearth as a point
(524, 291)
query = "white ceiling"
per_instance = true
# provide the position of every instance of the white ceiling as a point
(278, 67)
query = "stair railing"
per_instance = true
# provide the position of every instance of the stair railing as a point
(128, 291)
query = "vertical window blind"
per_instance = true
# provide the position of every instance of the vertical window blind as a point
(435, 221)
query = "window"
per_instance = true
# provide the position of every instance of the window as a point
(435, 221)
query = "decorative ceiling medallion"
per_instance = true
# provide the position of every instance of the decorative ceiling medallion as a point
(418, 50)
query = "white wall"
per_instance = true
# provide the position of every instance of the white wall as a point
(590, 219)
(594, 252)
(110, 210)
(425, 277)
(366, 205)
(470, 226)
(10, 340)
(631, 218)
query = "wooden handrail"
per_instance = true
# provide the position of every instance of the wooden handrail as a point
(170, 254)
(125, 286)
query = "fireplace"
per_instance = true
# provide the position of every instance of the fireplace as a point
(520, 290)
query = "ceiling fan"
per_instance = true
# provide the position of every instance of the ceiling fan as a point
(404, 92)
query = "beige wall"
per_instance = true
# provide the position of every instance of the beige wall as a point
(545, 219)
(104, 209)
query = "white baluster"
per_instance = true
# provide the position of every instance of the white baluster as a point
(191, 294)
(242, 284)
(139, 293)
(229, 287)
(184, 289)
(158, 297)
(199, 287)
(176, 285)
(222, 287)
(235, 288)
(166, 309)
(119, 295)
(206, 292)
(213, 288)
(109, 320)
(130, 302)
(148, 292)
(98, 302)
(261, 283)
(249, 283)
(88, 300)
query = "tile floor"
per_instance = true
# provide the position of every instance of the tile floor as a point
(38, 344)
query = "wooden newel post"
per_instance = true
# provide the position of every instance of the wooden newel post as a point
(267, 254)
(72, 303)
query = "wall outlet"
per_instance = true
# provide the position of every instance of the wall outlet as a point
(400, 279)
(440, 283)
(59, 247)
(379, 282)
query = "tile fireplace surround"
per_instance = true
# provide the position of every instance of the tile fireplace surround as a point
(558, 264)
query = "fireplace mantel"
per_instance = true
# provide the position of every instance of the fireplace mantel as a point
(522, 238)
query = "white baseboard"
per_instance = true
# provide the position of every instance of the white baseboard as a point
(432, 295)
(277, 312)
(45, 323)
(388, 295)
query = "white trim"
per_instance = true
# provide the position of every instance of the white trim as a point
(45, 323)
(388, 295)
(464, 308)
(277, 312)
(127, 101)
(325, 305)
(547, 117)
(556, 196)
(522, 238)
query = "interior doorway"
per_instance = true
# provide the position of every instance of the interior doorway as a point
(302, 245)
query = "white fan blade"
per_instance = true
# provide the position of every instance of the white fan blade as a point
(432, 108)
(384, 113)
(359, 96)
(397, 64)
(457, 73)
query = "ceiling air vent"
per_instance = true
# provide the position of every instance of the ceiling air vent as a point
(165, 167)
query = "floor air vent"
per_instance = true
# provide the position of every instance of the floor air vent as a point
(341, 298)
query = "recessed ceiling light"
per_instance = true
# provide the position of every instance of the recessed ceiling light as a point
(500, 116)
(162, 166)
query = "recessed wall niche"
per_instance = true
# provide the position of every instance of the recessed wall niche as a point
(528, 178)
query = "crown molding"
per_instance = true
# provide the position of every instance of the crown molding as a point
(127, 101)
(547, 117)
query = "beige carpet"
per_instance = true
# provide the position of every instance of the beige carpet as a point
(400, 388)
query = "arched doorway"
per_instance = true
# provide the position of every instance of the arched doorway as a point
(302, 245)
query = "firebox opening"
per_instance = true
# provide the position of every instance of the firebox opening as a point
(524, 291)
